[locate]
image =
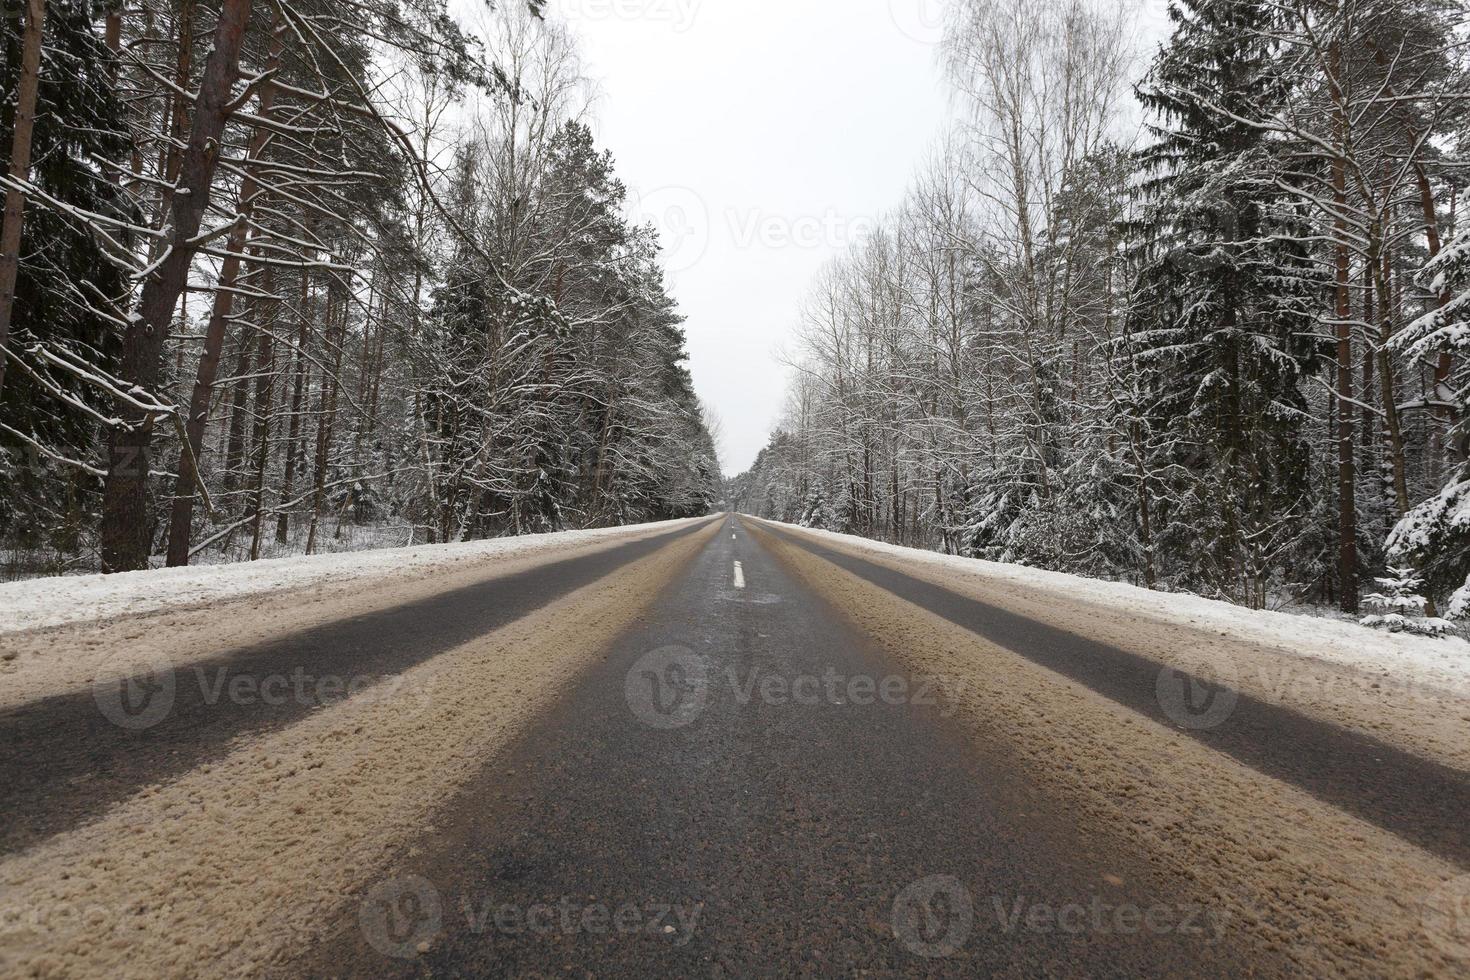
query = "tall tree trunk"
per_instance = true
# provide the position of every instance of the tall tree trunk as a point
(169, 155)
(336, 334)
(181, 518)
(125, 496)
(298, 394)
(1347, 507)
(239, 407)
(371, 328)
(265, 367)
(112, 32)
(20, 167)
(1391, 425)
(1367, 422)
(1442, 412)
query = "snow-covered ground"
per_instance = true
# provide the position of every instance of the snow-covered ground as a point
(46, 602)
(1443, 662)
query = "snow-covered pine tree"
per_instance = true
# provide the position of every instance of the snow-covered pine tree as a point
(48, 414)
(1401, 607)
(1434, 537)
(1223, 324)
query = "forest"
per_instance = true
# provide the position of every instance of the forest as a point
(1192, 317)
(286, 276)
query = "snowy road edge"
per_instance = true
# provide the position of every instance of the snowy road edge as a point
(46, 603)
(1443, 662)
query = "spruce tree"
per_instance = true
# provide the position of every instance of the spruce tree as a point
(1434, 537)
(1227, 293)
(66, 285)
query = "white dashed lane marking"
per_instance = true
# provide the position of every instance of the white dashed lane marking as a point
(739, 576)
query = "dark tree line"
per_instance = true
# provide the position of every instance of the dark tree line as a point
(287, 275)
(1225, 357)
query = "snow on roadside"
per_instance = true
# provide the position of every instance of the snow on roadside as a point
(1441, 662)
(47, 602)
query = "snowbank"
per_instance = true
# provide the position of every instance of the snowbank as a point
(46, 602)
(1443, 662)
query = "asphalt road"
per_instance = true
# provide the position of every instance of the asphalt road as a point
(1412, 797)
(705, 782)
(747, 781)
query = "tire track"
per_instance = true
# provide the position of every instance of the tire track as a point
(1418, 799)
(66, 758)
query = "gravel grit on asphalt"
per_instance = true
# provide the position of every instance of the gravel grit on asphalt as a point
(239, 863)
(1337, 895)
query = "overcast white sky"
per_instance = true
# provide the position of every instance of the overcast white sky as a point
(761, 135)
